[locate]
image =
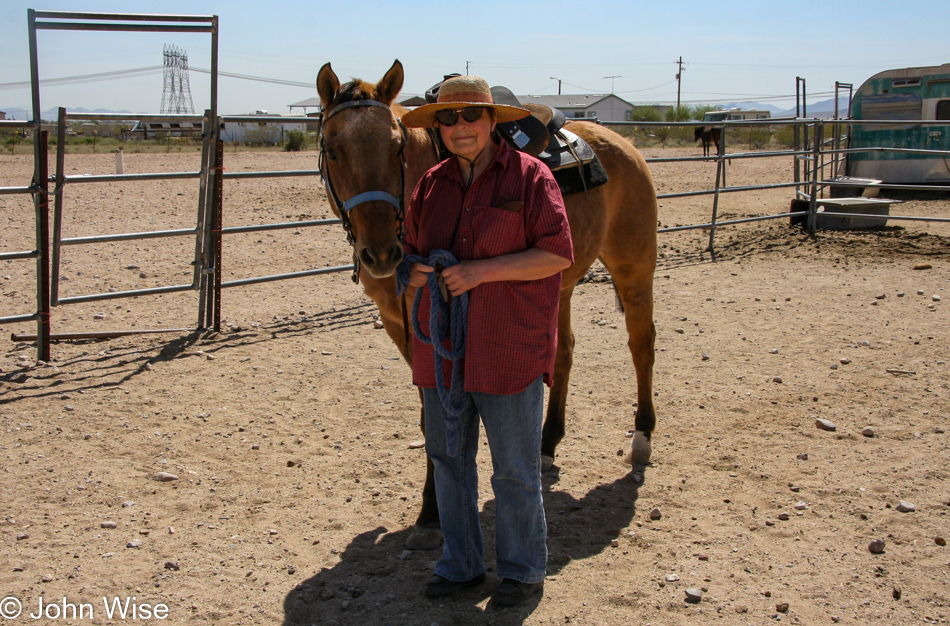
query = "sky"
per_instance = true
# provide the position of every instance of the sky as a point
(731, 52)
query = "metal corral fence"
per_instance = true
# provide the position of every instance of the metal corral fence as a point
(816, 167)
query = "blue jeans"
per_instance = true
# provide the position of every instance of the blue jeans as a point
(513, 427)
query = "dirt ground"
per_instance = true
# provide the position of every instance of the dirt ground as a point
(294, 434)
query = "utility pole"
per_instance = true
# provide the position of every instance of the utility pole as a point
(679, 75)
(467, 63)
(612, 81)
(558, 85)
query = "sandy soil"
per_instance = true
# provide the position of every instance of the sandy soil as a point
(293, 433)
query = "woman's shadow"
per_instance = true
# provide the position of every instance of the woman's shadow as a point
(377, 581)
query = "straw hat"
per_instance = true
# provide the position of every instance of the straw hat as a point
(459, 92)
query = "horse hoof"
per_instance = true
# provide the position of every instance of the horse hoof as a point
(547, 462)
(640, 450)
(424, 539)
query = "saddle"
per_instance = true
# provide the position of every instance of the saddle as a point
(542, 134)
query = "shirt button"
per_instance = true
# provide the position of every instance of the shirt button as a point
(466, 210)
(464, 239)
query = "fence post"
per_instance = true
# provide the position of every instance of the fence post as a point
(218, 217)
(41, 206)
(813, 199)
(720, 175)
(58, 203)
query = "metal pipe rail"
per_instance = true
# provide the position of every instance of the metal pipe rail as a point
(270, 119)
(265, 279)
(744, 220)
(271, 174)
(137, 117)
(115, 178)
(13, 190)
(17, 124)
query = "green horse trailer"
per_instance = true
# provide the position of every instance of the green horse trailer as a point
(919, 95)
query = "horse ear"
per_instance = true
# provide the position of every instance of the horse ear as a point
(327, 84)
(391, 84)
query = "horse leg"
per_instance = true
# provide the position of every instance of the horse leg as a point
(635, 289)
(427, 532)
(553, 430)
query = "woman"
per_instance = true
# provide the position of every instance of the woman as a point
(501, 214)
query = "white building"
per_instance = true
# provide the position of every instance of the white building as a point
(604, 108)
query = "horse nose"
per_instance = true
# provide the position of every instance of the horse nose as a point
(371, 260)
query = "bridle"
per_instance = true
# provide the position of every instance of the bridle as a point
(346, 206)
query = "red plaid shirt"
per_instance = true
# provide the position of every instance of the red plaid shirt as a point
(512, 325)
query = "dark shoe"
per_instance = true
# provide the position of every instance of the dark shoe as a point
(511, 592)
(438, 587)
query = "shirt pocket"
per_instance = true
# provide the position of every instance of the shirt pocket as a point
(498, 231)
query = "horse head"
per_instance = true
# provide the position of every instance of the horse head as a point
(363, 165)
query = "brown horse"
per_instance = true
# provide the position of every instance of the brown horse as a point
(371, 163)
(709, 135)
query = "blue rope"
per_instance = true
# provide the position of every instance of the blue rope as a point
(443, 323)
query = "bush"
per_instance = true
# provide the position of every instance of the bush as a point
(295, 141)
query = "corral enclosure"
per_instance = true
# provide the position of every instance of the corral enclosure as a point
(293, 431)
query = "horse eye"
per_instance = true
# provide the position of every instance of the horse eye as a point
(331, 154)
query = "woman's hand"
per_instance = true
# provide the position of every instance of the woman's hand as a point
(419, 274)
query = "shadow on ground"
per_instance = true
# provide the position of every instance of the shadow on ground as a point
(378, 582)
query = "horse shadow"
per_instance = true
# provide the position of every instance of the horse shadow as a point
(377, 581)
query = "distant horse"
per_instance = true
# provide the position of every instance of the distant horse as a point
(709, 135)
(371, 163)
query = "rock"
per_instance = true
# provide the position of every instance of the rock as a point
(164, 477)
(655, 514)
(782, 607)
(905, 507)
(705, 356)
(108, 524)
(876, 546)
(803, 456)
(414, 445)
(777, 379)
(172, 566)
(845, 360)
(272, 531)
(672, 578)
(693, 595)
(825, 425)
(940, 541)
(936, 298)
(784, 516)
(22, 536)
(291, 570)
(135, 544)
(378, 324)
(923, 266)
(868, 432)
(896, 593)
(801, 506)
(920, 292)
(614, 543)
(679, 331)
(773, 351)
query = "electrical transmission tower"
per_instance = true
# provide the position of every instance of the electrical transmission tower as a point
(176, 95)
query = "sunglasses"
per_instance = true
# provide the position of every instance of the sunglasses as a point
(450, 117)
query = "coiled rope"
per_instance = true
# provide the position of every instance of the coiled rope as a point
(444, 323)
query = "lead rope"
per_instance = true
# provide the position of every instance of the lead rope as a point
(445, 322)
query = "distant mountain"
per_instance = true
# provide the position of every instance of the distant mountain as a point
(758, 106)
(25, 113)
(823, 109)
